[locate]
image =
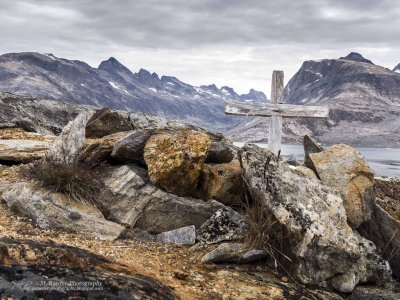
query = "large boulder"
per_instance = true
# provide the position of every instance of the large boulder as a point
(222, 182)
(128, 198)
(55, 211)
(323, 247)
(105, 121)
(131, 147)
(175, 160)
(67, 146)
(343, 168)
(22, 151)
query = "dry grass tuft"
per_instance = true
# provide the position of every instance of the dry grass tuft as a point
(77, 181)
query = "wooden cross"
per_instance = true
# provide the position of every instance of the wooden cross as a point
(276, 110)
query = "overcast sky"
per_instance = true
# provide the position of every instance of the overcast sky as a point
(226, 42)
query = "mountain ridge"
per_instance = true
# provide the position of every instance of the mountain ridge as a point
(114, 85)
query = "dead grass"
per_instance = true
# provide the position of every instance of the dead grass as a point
(78, 181)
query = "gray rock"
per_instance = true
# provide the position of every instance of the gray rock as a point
(181, 236)
(54, 211)
(384, 231)
(131, 147)
(224, 225)
(219, 152)
(233, 253)
(129, 199)
(310, 145)
(66, 147)
(321, 243)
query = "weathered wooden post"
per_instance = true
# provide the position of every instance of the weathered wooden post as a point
(276, 110)
(275, 123)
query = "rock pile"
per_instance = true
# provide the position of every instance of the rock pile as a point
(179, 184)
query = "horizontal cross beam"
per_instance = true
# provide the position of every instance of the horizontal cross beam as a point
(275, 109)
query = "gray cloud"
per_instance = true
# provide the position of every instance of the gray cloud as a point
(230, 42)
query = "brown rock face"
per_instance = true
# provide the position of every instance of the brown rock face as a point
(344, 169)
(105, 122)
(175, 160)
(311, 145)
(222, 182)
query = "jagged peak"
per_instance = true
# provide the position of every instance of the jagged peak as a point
(397, 68)
(354, 56)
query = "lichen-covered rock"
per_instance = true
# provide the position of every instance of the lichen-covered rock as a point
(67, 146)
(219, 152)
(131, 147)
(55, 211)
(224, 225)
(105, 121)
(222, 182)
(322, 245)
(127, 198)
(233, 253)
(175, 160)
(181, 236)
(99, 150)
(343, 168)
(305, 171)
(310, 145)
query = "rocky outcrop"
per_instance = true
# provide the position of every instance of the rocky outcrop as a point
(67, 146)
(44, 270)
(175, 160)
(222, 182)
(233, 253)
(322, 245)
(224, 225)
(343, 168)
(105, 122)
(55, 211)
(128, 198)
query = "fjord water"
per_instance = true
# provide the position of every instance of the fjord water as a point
(383, 161)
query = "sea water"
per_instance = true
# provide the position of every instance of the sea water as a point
(383, 161)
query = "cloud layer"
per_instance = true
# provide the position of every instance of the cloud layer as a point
(227, 42)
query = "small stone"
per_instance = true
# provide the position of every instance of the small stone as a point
(233, 253)
(181, 236)
(225, 225)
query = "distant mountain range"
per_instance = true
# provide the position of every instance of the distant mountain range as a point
(364, 98)
(364, 102)
(114, 85)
